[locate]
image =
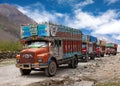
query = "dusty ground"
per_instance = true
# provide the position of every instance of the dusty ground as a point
(5, 62)
(100, 70)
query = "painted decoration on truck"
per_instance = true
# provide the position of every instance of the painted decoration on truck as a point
(64, 31)
(34, 30)
(25, 32)
(84, 38)
(71, 47)
(47, 29)
(43, 30)
(53, 30)
(110, 45)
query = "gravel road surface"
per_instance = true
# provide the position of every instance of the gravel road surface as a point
(86, 74)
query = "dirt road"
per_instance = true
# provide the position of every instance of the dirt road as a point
(105, 69)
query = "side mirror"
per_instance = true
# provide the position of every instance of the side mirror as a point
(52, 44)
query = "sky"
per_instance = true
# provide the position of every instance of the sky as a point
(100, 18)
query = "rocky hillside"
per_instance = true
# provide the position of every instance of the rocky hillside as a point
(10, 20)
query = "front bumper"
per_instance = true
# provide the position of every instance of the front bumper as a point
(32, 65)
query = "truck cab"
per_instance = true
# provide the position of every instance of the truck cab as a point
(100, 49)
(85, 56)
(99, 52)
(111, 49)
(88, 47)
(35, 56)
(84, 48)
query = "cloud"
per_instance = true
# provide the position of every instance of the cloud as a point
(84, 3)
(111, 1)
(85, 19)
(41, 15)
(37, 15)
(112, 27)
(65, 1)
(117, 36)
(104, 23)
(73, 3)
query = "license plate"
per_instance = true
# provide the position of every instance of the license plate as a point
(26, 66)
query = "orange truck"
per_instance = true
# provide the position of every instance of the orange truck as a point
(48, 45)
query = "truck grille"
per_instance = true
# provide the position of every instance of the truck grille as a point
(27, 57)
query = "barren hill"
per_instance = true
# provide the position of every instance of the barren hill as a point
(10, 20)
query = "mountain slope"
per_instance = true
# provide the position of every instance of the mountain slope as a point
(10, 21)
(12, 13)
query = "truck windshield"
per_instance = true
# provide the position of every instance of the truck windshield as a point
(83, 45)
(37, 44)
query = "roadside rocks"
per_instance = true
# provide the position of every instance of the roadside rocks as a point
(65, 81)
(7, 54)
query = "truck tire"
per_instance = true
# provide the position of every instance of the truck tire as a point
(86, 58)
(92, 57)
(74, 63)
(25, 71)
(102, 55)
(51, 70)
(99, 55)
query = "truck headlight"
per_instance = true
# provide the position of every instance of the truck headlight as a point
(40, 60)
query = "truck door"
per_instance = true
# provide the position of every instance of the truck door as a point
(58, 49)
(90, 48)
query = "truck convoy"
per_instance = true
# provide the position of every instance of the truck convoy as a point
(48, 45)
(88, 47)
(111, 49)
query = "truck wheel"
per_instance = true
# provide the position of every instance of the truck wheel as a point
(74, 63)
(25, 71)
(86, 59)
(92, 57)
(52, 68)
(102, 55)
